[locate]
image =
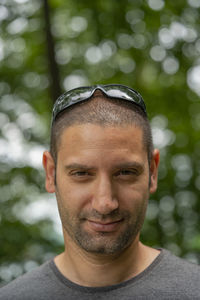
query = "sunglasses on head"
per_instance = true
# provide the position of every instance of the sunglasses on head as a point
(80, 94)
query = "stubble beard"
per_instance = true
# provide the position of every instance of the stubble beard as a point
(102, 242)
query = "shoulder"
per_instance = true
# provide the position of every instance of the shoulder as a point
(177, 275)
(177, 265)
(27, 285)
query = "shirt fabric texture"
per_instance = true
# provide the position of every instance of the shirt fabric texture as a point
(168, 277)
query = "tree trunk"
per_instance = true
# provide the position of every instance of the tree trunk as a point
(53, 67)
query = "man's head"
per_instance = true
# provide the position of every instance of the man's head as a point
(102, 109)
(104, 170)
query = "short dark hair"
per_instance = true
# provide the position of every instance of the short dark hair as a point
(103, 111)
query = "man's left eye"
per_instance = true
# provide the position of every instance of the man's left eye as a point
(127, 172)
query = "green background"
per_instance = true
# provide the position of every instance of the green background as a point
(152, 46)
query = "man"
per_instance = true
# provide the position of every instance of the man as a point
(102, 168)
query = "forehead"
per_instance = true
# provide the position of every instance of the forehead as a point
(90, 140)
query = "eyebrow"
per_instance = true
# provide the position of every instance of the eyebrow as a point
(78, 166)
(125, 165)
(129, 165)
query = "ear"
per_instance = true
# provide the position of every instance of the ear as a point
(154, 170)
(49, 167)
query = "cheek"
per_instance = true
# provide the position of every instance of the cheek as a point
(131, 196)
(137, 185)
(72, 196)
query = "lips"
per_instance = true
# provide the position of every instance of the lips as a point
(104, 226)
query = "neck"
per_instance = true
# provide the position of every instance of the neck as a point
(88, 269)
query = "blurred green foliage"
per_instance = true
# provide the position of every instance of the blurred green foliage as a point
(150, 45)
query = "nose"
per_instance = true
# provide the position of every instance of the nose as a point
(104, 198)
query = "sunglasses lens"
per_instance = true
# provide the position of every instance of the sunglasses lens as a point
(121, 92)
(78, 96)
(70, 98)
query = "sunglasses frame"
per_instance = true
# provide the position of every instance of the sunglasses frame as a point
(80, 94)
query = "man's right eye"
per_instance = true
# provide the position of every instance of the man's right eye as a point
(80, 173)
(81, 176)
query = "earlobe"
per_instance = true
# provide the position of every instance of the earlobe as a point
(49, 167)
(154, 170)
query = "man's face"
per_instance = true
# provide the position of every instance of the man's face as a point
(103, 181)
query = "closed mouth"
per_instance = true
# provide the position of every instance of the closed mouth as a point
(104, 226)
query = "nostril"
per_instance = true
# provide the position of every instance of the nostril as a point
(104, 200)
(104, 205)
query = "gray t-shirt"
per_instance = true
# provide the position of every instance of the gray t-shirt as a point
(168, 277)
